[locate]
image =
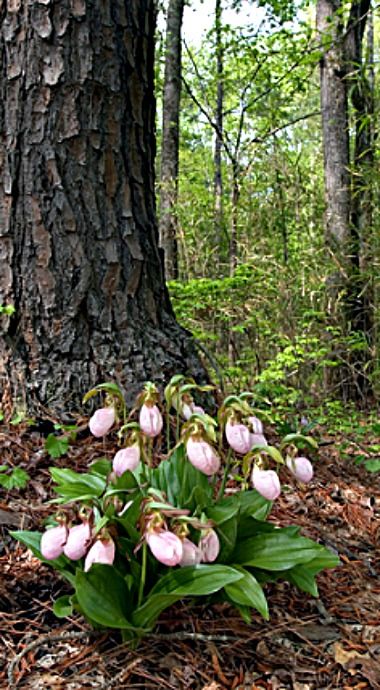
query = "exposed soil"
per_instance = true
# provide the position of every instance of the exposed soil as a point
(309, 644)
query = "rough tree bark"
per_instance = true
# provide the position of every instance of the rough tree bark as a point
(340, 72)
(78, 236)
(362, 97)
(170, 139)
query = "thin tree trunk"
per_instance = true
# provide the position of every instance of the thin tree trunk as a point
(218, 176)
(170, 139)
(235, 195)
(340, 69)
(335, 137)
(78, 234)
(361, 96)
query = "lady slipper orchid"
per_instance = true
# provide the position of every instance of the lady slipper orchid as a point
(101, 421)
(53, 541)
(191, 554)
(301, 468)
(165, 546)
(256, 424)
(210, 546)
(239, 438)
(266, 482)
(126, 459)
(150, 420)
(102, 551)
(186, 410)
(78, 541)
(197, 409)
(202, 456)
(258, 440)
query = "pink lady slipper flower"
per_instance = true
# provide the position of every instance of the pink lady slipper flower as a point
(258, 440)
(101, 421)
(165, 546)
(301, 468)
(53, 541)
(210, 546)
(190, 408)
(78, 541)
(256, 424)
(266, 482)
(191, 554)
(239, 437)
(202, 456)
(126, 459)
(150, 420)
(102, 551)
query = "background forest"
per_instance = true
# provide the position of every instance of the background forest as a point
(255, 265)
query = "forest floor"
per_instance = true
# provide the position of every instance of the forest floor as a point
(332, 642)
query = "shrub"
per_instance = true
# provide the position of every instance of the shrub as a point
(175, 525)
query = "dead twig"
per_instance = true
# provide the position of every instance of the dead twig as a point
(40, 642)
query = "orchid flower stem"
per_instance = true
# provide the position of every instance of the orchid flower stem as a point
(167, 431)
(143, 573)
(177, 428)
(225, 476)
(150, 452)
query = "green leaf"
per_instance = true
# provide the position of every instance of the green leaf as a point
(63, 607)
(224, 509)
(17, 479)
(372, 465)
(101, 467)
(227, 533)
(200, 580)
(299, 438)
(248, 592)
(56, 445)
(102, 595)
(303, 575)
(273, 452)
(179, 480)
(110, 388)
(255, 505)
(74, 486)
(276, 551)
(250, 527)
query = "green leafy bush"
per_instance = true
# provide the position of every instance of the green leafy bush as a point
(135, 535)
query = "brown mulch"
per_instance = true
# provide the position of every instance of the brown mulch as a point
(332, 642)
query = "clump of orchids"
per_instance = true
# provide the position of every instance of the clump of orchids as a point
(178, 510)
(243, 432)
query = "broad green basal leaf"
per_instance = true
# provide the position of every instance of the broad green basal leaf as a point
(248, 592)
(200, 580)
(276, 551)
(103, 595)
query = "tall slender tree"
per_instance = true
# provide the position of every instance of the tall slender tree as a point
(78, 234)
(346, 184)
(170, 138)
(218, 175)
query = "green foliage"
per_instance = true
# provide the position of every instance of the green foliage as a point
(56, 446)
(7, 309)
(13, 478)
(170, 496)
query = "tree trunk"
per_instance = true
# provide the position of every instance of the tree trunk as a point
(78, 235)
(335, 137)
(361, 96)
(344, 189)
(170, 139)
(218, 176)
(235, 196)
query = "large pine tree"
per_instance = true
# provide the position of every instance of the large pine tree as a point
(78, 236)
